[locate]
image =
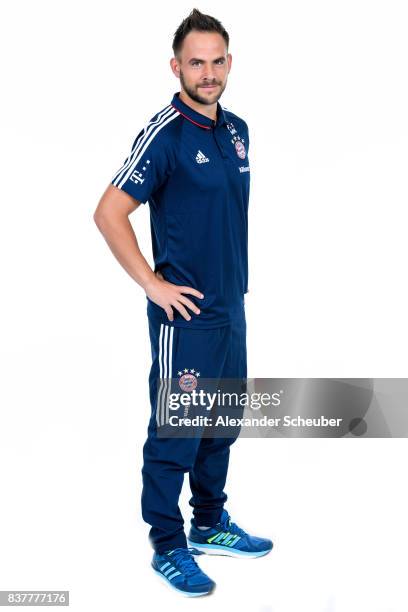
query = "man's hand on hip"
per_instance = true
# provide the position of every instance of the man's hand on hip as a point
(169, 296)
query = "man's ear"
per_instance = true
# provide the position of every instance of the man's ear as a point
(229, 58)
(174, 66)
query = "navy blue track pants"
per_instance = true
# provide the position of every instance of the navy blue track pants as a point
(213, 353)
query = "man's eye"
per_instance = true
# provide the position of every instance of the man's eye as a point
(220, 61)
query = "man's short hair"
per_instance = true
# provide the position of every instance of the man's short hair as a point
(201, 23)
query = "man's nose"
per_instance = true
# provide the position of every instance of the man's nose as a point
(208, 73)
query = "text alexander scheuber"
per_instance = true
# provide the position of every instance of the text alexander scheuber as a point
(254, 401)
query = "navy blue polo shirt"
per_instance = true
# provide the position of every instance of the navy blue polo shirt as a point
(194, 172)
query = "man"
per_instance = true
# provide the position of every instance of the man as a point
(190, 163)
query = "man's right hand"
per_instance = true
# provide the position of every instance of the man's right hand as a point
(169, 296)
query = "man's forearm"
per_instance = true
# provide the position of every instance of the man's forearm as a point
(122, 241)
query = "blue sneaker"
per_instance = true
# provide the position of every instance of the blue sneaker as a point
(179, 570)
(226, 538)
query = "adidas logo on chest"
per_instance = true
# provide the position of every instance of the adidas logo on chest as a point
(201, 158)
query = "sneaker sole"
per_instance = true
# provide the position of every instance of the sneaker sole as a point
(185, 593)
(210, 549)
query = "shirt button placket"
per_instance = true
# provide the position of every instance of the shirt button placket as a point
(219, 145)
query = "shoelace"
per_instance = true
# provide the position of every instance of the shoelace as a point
(185, 560)
(233, 527)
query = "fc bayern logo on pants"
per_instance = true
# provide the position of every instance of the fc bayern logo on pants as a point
(188, 380)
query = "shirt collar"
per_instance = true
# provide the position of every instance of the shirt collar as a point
(197, 118)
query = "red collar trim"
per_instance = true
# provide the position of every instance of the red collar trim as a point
(206, 127)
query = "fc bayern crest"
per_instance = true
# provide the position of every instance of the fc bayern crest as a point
(240, 149)
(188, 379)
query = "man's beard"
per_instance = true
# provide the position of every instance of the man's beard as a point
(197, 97)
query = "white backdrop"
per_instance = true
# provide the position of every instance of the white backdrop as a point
(323, 88)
